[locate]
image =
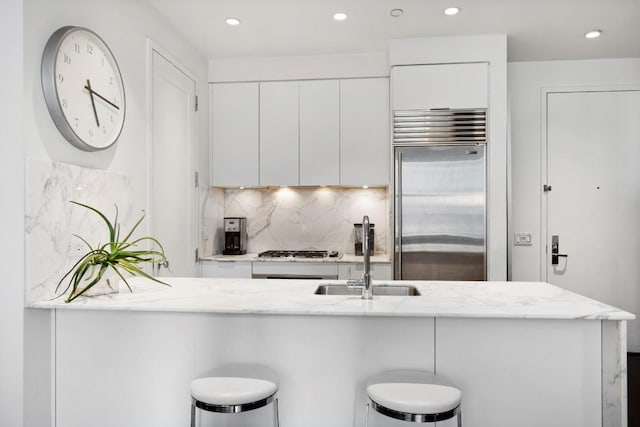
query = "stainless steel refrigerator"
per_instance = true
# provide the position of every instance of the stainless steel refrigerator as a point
(440, 195)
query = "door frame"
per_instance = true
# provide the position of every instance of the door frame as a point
(544, 149)
(152, 47)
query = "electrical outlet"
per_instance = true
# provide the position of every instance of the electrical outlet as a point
(523, 239)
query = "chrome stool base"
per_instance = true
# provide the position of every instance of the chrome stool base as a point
(415, 418)
(235, 409)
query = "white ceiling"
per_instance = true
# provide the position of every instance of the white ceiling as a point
(536, 29)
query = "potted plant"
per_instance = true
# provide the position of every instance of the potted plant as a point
(118, 255)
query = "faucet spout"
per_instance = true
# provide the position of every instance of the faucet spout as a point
(366, 248)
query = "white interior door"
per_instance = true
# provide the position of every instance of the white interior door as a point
(593, 155)
(173, 192)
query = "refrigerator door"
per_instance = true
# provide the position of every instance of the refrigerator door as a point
(439, 206)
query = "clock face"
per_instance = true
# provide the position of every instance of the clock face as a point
(83, 88)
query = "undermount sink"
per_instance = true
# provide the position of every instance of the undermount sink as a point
(378, 290)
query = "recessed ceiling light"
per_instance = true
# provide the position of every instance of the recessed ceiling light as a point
(396, 12)
(451, 11)
(593, 34)
(340, 16)
(233, 21)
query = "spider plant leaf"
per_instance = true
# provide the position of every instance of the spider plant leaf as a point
(132, 268)
(115, 223)
(85, 242)
(104, 218)
(134, 228)
(122, 277)
(91, 284)
(155, 241)
(71, 270)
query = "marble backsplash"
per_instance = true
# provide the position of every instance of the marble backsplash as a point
(296, 218)
(50, 220)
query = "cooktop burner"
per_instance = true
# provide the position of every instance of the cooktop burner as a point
(297, 254)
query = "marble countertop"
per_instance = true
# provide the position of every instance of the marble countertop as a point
(253, 257)
(295, 297)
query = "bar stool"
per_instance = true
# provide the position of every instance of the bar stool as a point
(234, 389)
(418, 402)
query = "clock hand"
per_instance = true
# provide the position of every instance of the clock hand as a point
(93, 104)
(88, 87)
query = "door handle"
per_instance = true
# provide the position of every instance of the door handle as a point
(555, 250)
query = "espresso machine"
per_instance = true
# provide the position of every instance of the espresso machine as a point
(235, 236)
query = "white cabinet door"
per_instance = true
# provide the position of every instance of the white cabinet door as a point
(417, 87)
(308, 270)
(320, 132)
(279, 133)
(364, 132)
(239, 269)
(234, 145)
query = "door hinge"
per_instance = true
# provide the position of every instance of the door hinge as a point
(197, 256)
(196, 103)
(546, 188)
(196, 179)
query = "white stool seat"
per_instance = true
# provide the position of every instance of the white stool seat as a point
(415, 398)
(231, 390)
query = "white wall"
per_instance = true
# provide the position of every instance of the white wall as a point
(526, 81)
(11, 216)
(298, 67)
(125, 26)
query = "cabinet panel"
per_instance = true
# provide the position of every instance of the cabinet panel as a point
(234, 145)
(226, 269)
(320, 132)
(364, 132)
(279, 133)
(440, 86)
(349, 271)
(292, 269)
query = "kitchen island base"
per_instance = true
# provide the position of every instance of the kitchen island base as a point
(134, 368)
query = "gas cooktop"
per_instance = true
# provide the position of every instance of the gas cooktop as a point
(297, 254)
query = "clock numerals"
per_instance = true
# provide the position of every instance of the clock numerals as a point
(60, 78)
(65, 104)
(112, 119)
(67, 58)
(76, 122)
(91, 133)
(76, 47)
(111, 80)
(89, 49)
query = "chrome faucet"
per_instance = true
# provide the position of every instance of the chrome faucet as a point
(365, 282)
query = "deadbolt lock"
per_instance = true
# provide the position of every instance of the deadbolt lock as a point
(555, 250)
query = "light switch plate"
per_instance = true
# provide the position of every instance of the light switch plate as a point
(523, 239)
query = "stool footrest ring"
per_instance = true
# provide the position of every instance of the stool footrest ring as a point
(233, 409)
(416, 418)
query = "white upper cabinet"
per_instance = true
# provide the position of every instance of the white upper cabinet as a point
(417, 87)
(364, 132)
(320, 132)
(234, 145)
(279, 133)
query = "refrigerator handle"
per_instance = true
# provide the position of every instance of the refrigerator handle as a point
(398, 216)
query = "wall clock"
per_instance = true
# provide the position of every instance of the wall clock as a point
(83, 88)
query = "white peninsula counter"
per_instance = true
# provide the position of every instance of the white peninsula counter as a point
(523, 354)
